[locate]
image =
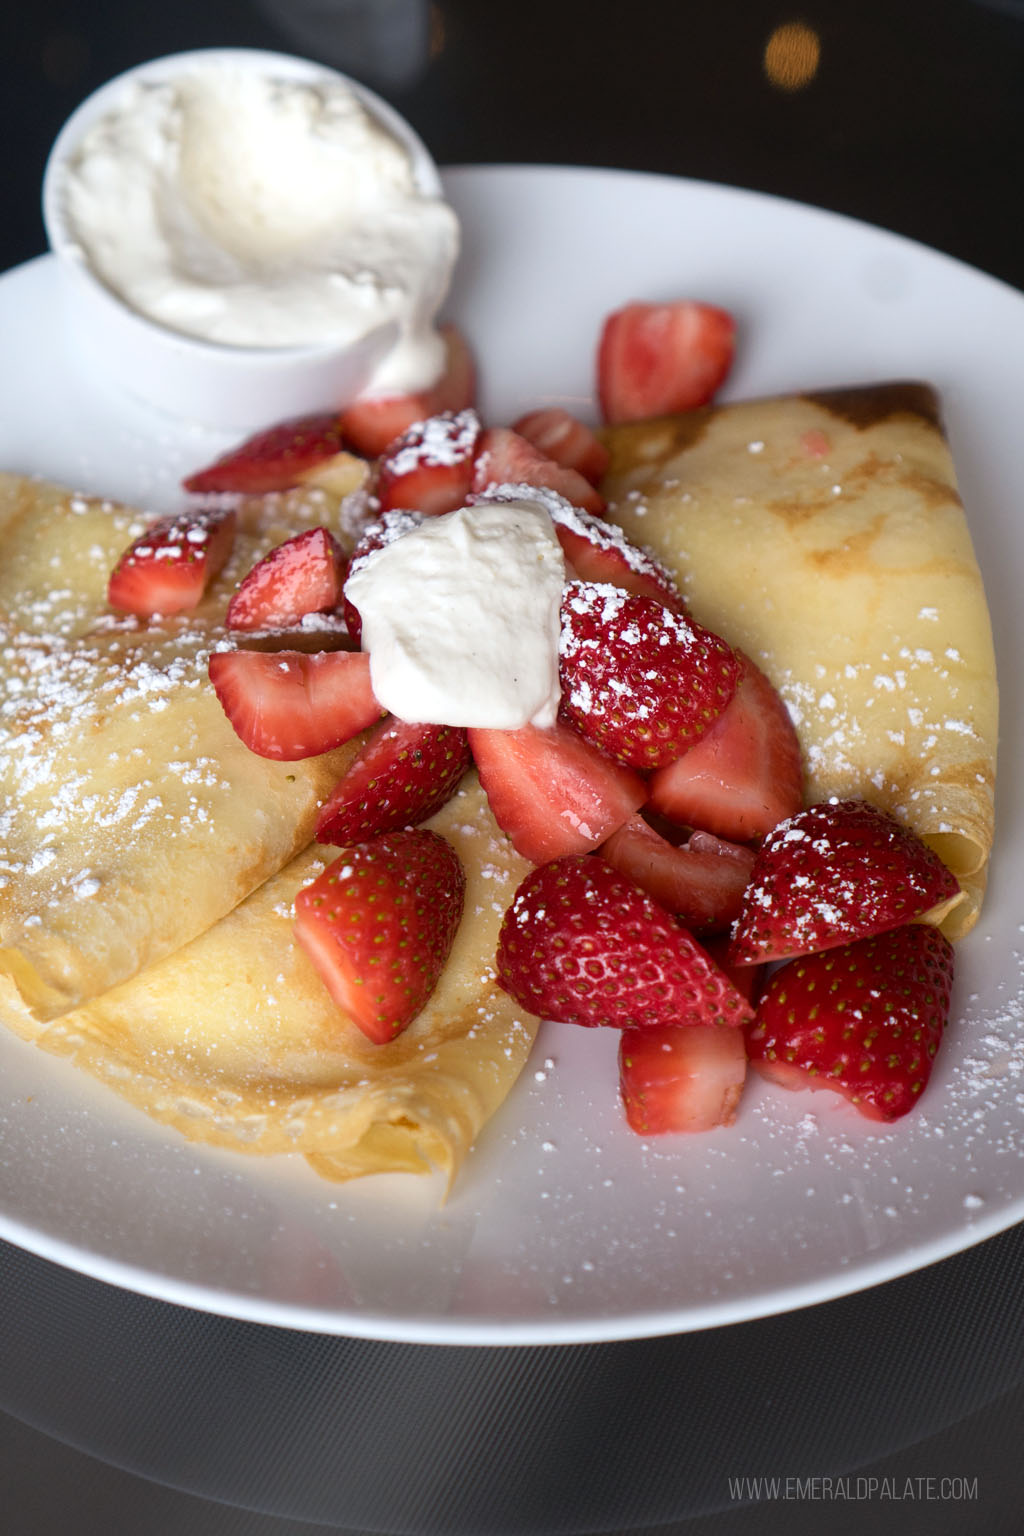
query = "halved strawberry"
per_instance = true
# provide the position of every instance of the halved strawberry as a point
(559, 435)
(700, 881)
(377, 535)
(430, 467)
(550, 791)
(272, 460)
(303, 575)
(643, 683)
(745, 775)
(584, 945)
(378, 924)
(678, 1079)
(168, 569)
(655, 359)
(401, 775)
(369, 425)
(287, 705)
(835, 873)
(506, 458)
(865, 1019)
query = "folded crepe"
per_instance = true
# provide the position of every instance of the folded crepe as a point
(149, 864)
(825, 536)
(132, 816)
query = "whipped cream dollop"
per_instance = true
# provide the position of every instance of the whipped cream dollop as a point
(461, 617)
(252, 210)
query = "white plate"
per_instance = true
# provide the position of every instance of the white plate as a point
(564, 1226)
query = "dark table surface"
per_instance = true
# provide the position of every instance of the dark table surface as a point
(898, 1409)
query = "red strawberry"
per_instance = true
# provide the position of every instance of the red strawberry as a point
(287, 705)
(678, 1079)
(505, 458)
(582, 944)
(865, 1019)
(550, 792)
(701, 882)
(272, 460)
(377, 535)
(655, 359)
(642, 682)
(401, 775)
(558, 435)
(370, 425)
(378, 924)
(303, 575)
(745, 775)
(837, 872)
(168, 569)
(594, 550)
(430, 467)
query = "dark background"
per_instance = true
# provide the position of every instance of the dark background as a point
(914, 119)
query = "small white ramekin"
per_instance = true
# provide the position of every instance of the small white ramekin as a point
(220, 386)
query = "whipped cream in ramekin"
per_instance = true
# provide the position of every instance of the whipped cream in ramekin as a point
(257, 210)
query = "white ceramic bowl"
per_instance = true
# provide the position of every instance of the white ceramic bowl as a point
(218, 385)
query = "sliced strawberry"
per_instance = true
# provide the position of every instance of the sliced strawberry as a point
(837, 872)
(402, 775)
(641, 682)
(655, 359)
(505, 458)
(559, 435)
(430, 467)
(701, 881)
(303, 575)
(393, 525)
(678, 1079)
(168, 569)
(865, 1019)
(745, 775)
(369, 425)
(551, 793)
(594, 550)
(747, 979)
(287, 705)
(273, 460)
(584, 945)
(379, 923)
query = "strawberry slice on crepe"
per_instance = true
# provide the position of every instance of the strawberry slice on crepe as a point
(745, 775)
(370, 425)
(832, 874)
(584, 945)
(701, 881)
(550, 791)
(288, 705)
(401, 775)
(654, 359)
(168, 569)
(560, 436)
(303, 575)
(640, 681)
(272, 460)
(379, 924)
(506, 458)
(430, 467)
(864, 1019)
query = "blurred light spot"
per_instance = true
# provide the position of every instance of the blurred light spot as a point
(65, 57)
(437, 38)
(791, 56)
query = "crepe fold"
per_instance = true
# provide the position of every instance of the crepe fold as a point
(824, 535)
(149, 864)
